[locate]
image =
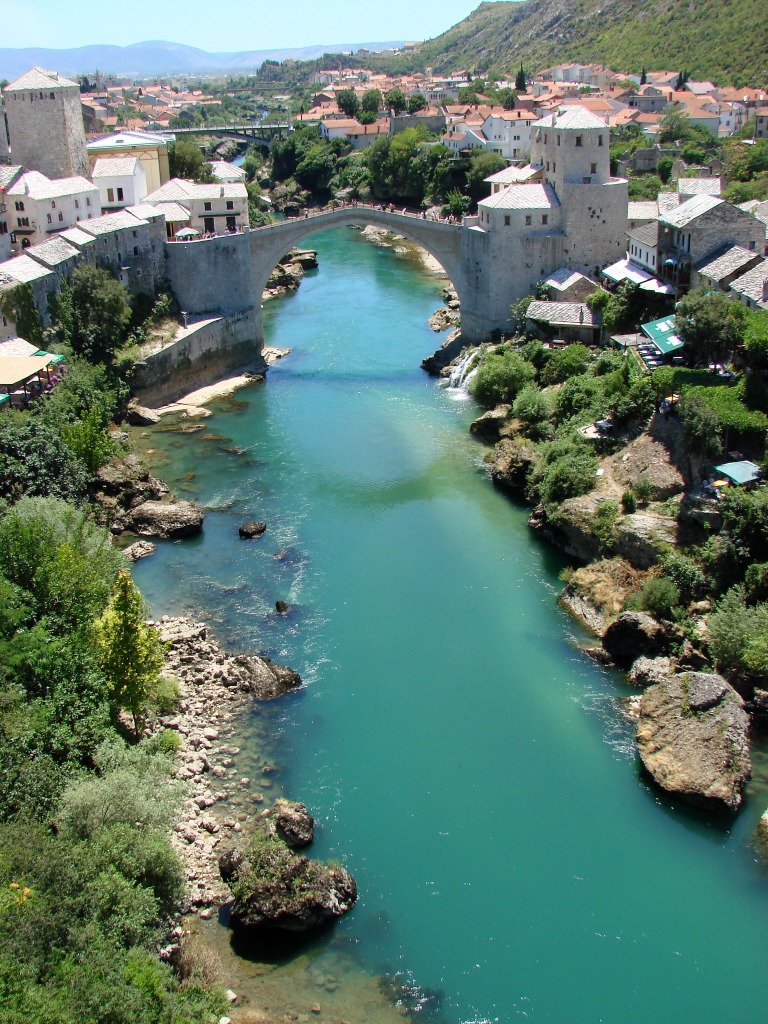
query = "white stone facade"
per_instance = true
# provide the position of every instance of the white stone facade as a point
(509, 134)
(45, 124)
(39, 207)
(121, 182)
(218, 209)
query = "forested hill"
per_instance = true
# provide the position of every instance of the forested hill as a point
(725, 41)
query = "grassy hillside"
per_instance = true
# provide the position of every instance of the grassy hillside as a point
(722, 40)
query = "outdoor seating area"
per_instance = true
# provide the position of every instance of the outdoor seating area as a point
(25, 378)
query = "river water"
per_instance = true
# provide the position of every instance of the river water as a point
(470, 767)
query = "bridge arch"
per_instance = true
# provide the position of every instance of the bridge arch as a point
(270, 243)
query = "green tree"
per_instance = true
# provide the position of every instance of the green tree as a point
(315, 169)
(186, 161)
(34, 460)
(738, 635)
(18, 305)
(507, 98)
(481, 166)
(89, 441)
(500, 377)
(395, 100)
(701, 427)
(92, 314)
(347, 102)
(371, 101)
(711, 324)
(131, 653)
(521, 83)
(416, 103)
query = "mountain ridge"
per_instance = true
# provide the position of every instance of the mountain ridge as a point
(725, 42)
(158, 57)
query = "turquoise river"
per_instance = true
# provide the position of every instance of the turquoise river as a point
(463, 759)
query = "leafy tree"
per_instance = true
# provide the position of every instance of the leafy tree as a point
(131, 653)
(315, 170)
(660, 597)
(481, 166)
(89, 441)
(500, 377)
(738, 635)
(34, 460)
(673, 126)
(371, 101)
(566, 470)
(507, 98)
(711, 324)
(92, 315)
(347, 102)
(456, 204)
(367, 117)
(701, 427)
(570, 361)
(521, 84)
(395, 100)
(416, 103)
(186, 161)
(18, 304)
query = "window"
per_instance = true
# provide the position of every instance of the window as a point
(61, 215)
(578, 140)
(50, 95)
(135, 234)
(528, 220)
(119, 195)
(547, 164)
(599, 140)
(593, 168)
(20, 207)
(506, 221)
(53, 204)
(586, 181)
(230, 204)
(110, 195)
(554, 166)
(545, 218)
(545, 138)
(50, 219)
(207, 207)
(135, 250)
(88, 201)
(77, 204)
(231, 224)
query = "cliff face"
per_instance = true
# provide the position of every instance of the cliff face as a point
(709, 39)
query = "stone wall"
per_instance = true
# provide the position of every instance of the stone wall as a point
(213, 274)
(201, 353)
(595, 223)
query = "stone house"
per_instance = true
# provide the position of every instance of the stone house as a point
(220, 208)
(39, 206)
(720, 270)
(566, 321)
(697, 229)
(121, 181)
(751, 288)
(45, 124)
(642, 246)
(566, 285)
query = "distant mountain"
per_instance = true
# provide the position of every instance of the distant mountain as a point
(725, 41)
(158, 58)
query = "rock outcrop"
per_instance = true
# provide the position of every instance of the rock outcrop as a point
(650, 671)
(444, 318)
(513, 460)
(444, 356)
(275, 888)
(141, 549)
(692, 739)
(293, 823)
(169, 520)
(122, 484)
(488, 426)
(633, 635)
(139, 416)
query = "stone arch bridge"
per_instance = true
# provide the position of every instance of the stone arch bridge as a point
(226, 275)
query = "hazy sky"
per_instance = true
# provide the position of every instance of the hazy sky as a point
(228, 26)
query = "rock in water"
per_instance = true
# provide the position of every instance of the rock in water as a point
(275, 888)
(692, 738)
(282, 607)
(265, 679)
(293, 823)
(251, 529)
(633, 635)
(141, 549)
(165, 519)
(649, 671)
(140, 416)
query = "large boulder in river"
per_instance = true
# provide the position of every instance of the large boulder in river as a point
(488, 426)
(293, 823)
(650, 671)
(165, 519)
(124, 483)
(265, 679)
(633, 635)
(692, 739)
(275, 888)
(251, 529)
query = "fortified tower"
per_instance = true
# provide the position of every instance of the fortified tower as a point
(45, 124)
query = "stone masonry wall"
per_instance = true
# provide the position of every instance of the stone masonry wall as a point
(47, 135)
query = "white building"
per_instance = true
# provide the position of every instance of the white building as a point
(223, 171)
(39, 206)
(121, 181)
(508, 133)
(216, 209)
(151, 150)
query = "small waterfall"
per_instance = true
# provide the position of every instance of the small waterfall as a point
(464, 370)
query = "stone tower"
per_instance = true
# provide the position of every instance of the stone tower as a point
(45, 124)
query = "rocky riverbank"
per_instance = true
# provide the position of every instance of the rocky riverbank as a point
(288, 274)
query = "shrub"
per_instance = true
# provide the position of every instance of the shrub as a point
(628, 502)
(568, 362)
(34, 460)
(89, 441)
(605, 521)
(532, 405)
(579, 396)
(738, 635)
(500, 377)
(756, 582)
(566, 470)
(701, 427)
(745, 517)
(642, 489)
(660, 597)
(686, 574)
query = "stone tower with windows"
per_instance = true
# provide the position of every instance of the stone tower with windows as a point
(45, 124)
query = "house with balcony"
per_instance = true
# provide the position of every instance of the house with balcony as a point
(695, 230)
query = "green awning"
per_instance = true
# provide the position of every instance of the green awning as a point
(53, 359)
(739, 472)
(4, 399)
(663, 335)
